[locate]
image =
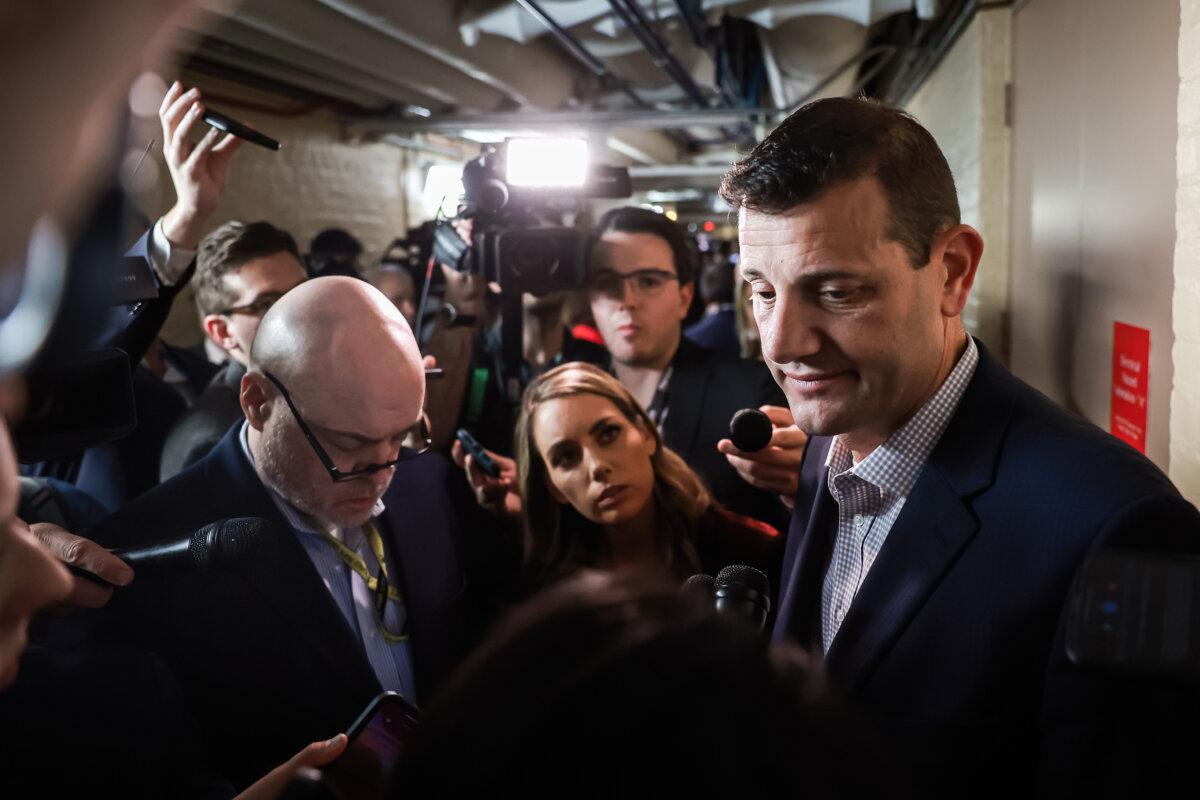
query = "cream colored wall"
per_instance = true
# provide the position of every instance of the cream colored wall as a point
(1185, 397)
(963, 106)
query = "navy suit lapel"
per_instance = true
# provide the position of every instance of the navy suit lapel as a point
(807, 549)
(286, 580)
(933, 528)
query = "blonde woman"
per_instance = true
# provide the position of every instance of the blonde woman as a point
(599, 489)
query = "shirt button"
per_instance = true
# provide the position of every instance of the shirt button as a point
(858, 520)
(841, 614)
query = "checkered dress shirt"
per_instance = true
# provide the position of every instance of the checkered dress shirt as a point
(871, 493)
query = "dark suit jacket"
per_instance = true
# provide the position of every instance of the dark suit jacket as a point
(113, 474)
(259, 647)
(706, 390)
(954, 644)
(200, 427)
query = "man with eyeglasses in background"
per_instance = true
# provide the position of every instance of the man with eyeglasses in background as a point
(366, 589)
(241, 270)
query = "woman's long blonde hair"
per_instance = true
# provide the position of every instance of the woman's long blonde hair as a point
(557, 537)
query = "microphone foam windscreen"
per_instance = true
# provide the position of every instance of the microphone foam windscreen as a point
(750, 430)
(699, 586)
(233, 539)
(749, 577)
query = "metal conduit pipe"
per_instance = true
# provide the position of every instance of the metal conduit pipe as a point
(638, 24)
(580, 52)
(963, 16)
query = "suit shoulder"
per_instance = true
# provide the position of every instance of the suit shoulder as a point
(1070, 454)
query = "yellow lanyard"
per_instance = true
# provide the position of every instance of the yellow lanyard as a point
(378, 585)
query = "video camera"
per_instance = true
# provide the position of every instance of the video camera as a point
(511, 191)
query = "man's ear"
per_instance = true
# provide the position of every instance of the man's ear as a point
(686, 291)
(216, 328)
(255, 400)
(960, 249)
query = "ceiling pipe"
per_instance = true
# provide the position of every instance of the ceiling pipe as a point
(580, 52)
(649, 119)
(962, 17)
(638, 24)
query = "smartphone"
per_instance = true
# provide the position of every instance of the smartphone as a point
(377, 740)
(1137, 612)
(230, 125)
(476, 451)
(432, 373)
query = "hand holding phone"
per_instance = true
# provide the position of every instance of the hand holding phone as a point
(230, 125)
(475, 450)
(377, 741)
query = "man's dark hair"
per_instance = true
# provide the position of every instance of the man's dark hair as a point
(335, 242)
(631, 219)
(838, 140)
(226, 250)
(608, 686)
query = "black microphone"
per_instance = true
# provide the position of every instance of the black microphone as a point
(214, 545)
(699, 586)
(750, 430)
(743, 592)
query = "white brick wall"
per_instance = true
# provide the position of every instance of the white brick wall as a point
(1185, 396)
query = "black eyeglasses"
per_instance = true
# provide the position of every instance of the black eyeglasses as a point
(338, 476)
(255, 308)
(646, 282)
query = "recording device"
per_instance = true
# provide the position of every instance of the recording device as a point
(750, 430)
(743, 592)
(1137, 613)
(701, 586)
(215, 545)
(433, 373)
(485, 462)
(223, 123)
(510, 191)
(507, 191)
(377, 741)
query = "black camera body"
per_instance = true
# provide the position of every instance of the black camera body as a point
(511, 245)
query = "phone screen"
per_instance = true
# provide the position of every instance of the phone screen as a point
(377, 740)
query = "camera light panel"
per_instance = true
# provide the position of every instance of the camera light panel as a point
(547, 162)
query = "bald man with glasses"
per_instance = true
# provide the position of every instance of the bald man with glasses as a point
(368, 589)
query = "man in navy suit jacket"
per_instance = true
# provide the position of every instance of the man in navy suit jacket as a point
(943, 506)
(271, 649)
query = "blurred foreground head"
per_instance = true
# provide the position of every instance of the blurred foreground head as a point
(67, 66)
(607, 686)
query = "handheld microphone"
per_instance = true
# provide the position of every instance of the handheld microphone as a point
(750, 430)
(743, 592)
(699, 586)
(215, 545)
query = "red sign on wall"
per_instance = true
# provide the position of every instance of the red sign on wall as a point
(1130, 384)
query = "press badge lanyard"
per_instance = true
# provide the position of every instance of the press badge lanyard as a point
(378, 584)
